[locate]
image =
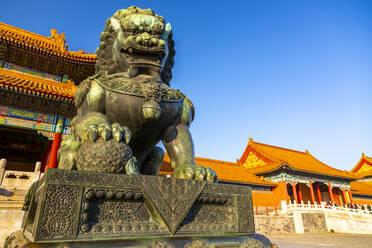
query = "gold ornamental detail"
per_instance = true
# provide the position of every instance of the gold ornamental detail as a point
(364, 169)
(253, 161)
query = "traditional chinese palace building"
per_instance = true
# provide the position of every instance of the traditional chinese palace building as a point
(278, 174)
(300, 175)
(38, 78)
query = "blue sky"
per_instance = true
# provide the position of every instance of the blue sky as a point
(288, 73)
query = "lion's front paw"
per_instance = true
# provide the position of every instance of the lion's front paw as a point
(106, 131)
(196, 172)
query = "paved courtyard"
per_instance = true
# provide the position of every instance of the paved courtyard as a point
(322, 240)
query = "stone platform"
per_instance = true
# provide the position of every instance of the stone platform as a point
(88, 209)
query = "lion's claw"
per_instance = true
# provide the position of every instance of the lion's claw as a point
(92, 132)
(196, 172)
(117, 135)
(131, 167)
(201, 173)
(211, 176)
(127, 134)
(189, 172)
(103, 130)
(119, 132)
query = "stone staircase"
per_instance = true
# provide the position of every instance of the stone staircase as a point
(13, 189)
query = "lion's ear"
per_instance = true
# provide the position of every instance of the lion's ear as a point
(167, 31)
(115, 24)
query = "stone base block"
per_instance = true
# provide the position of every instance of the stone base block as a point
(247, 241)
(80, 207)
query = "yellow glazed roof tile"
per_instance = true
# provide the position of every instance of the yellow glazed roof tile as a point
(17, 81)
(363, 168)
(54, 45)
(362, 188)
(279, 156)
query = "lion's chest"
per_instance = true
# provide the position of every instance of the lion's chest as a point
(130, 111)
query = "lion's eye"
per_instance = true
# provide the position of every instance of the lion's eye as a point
(158, 29)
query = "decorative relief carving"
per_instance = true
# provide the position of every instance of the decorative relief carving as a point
(246, 223)
(92, 178)
(89, 204)
(58, 215)
(206, 218)
(113, 211)
(159, 244)
(252, 243)
(253, 161)
(171, 198)
(198, 244)
(226, 189)
(158, 92)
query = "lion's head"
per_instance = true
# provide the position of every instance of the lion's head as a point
(136, 41)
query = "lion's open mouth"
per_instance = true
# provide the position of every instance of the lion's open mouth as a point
(143, 56)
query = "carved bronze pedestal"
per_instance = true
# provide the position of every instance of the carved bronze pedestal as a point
(89, 209)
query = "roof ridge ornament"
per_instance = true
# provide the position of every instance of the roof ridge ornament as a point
(58, 39)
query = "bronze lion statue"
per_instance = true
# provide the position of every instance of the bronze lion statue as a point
(127, 107)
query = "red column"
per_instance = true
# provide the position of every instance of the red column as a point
(56, 142)
(294, 192)
(344, 194)
(318, 193)
(53, 152)
(350, 196)
(330, 193)
(312, 193)
(299, 193)
(45, 156)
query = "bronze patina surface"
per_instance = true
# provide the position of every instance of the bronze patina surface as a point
(75, 206)
(127, 107)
